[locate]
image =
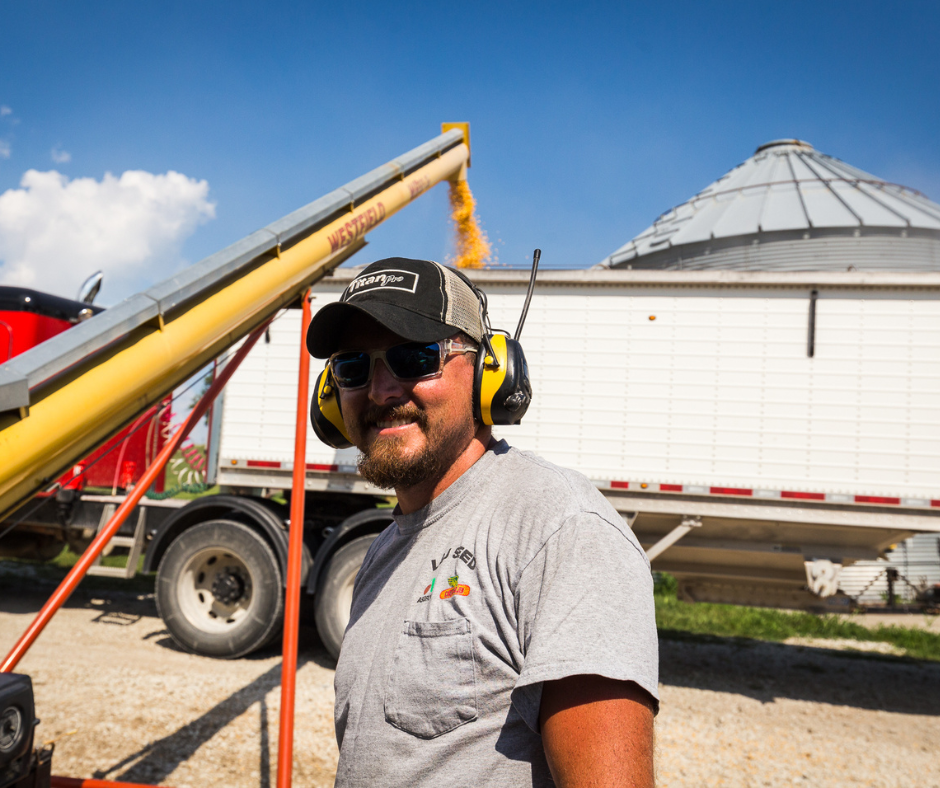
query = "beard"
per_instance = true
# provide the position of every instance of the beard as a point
(384, 462)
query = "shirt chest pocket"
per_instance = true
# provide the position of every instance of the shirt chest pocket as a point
(431, 686)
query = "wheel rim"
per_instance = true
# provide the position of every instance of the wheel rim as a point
(11, 729)
(215, 590)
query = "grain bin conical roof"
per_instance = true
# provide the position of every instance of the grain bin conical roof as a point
(790, 207)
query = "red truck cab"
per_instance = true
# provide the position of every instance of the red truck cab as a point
(28, 317)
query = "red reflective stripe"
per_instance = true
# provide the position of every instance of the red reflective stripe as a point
(731, 491)
(792, 494)
(875, 499)
(804, 496)
(935, 503)
(262, 464)
(319, 466)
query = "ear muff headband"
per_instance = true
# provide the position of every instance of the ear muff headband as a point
(325, 414)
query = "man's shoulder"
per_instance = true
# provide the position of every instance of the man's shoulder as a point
(537, 483)
(381, 541)
(536, 501)
(531, 474)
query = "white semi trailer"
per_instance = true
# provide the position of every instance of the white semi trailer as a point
(758, 431)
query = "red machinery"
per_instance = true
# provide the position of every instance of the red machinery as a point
(37, 770)
(28, 318)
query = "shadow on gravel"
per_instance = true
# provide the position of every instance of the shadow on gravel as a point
(25, 587)
(24, 591)
(309, 647)
(116, 607)
(767, 671)
(155, 761)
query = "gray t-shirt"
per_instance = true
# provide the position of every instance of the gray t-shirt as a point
(518, 573)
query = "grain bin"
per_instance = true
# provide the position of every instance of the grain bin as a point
(791, 208)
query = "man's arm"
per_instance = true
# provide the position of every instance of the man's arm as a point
(597, 732)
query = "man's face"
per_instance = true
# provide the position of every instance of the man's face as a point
(408, 432)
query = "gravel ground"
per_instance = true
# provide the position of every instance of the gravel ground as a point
(768, 714)
(122, 703)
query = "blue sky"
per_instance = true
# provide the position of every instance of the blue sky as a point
(587, 120)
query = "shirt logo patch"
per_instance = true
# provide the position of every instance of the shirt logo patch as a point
(426, 596)
(390, 279)
(456, 588)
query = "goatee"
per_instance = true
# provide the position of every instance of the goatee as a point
(383, 463)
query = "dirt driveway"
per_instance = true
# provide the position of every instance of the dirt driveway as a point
(122, 703)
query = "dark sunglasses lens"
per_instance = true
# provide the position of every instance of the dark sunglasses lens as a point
(414, 360)
(351, 370)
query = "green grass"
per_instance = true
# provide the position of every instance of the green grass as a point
(674, 617)
(67, 559)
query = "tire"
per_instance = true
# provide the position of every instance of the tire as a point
(334, 597)
(219, 590)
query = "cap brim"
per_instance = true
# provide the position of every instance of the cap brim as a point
(326, 327)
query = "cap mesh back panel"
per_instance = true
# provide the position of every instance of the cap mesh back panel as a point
(463, 307)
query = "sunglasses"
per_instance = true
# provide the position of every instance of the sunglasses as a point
(408, 362)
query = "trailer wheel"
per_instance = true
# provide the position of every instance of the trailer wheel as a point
(334, 598)
(219, 590)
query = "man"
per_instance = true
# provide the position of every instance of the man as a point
(502, 629)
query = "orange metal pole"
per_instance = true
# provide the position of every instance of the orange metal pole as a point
(75, 575)
(295, 546)
(72, 782)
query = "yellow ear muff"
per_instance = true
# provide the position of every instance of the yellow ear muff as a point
(490, 377)
(325, 414)
(502, 392)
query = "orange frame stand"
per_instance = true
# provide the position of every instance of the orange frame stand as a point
(294, 553)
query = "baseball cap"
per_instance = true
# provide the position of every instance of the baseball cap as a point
(420, 300)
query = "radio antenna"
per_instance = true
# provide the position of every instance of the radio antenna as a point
(536, 255)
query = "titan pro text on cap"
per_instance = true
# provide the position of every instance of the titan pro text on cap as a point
(420, 300)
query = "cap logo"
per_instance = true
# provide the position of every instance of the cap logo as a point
(390, 279)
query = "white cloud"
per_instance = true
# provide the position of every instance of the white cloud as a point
(60, 156)
(55, 232)
(4, 149)
(5, 110)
